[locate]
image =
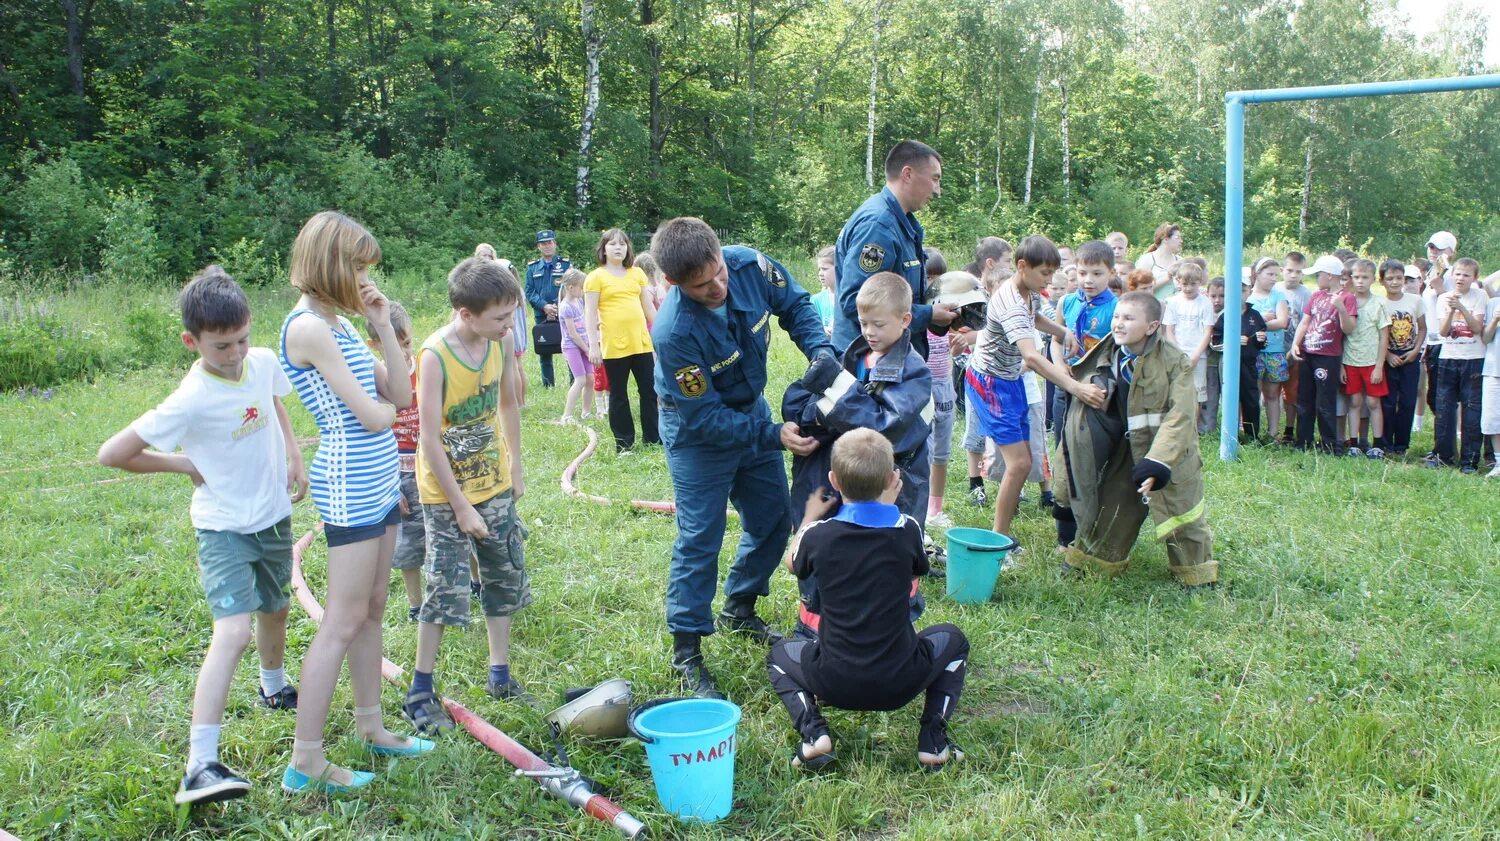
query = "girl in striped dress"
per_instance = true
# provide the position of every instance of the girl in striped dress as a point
(354, 483)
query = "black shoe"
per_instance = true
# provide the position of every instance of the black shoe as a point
(210, 783)
(474, 588)
(695, 676)
(286, 699)
(510, 690)
(738, 616)
(411, 613)
(1067, 571)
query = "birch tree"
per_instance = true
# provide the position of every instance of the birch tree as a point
(593, 44)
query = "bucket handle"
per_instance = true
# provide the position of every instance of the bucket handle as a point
(630, 721)
(1013, 544)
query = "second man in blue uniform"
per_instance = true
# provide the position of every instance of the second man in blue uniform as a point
(542, 276)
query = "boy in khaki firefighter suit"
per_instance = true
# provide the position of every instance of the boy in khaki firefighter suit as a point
(1138, 454)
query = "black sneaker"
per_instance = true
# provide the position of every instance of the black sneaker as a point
(696, 677)
(475, 588)
(286, 699)
(211, 782)
(510, 690)
(979, 497)
(411, 613)
(740, 617)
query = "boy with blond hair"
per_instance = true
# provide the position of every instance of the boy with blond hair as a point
(1189, 320)
(868, 656)
(882, 384)
(1365, 350)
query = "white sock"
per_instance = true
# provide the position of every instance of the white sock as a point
(272, 680)
(203, 745)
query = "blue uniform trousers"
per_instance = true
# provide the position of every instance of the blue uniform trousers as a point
(705, 479)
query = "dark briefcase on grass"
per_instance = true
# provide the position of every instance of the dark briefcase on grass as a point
(546, 337)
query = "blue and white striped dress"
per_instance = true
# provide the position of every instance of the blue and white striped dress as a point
(353, 478)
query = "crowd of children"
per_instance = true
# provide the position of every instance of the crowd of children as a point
(418, 465)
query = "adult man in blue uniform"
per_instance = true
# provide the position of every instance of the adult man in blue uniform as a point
(542, 275)
(711, 335)
(883, 235)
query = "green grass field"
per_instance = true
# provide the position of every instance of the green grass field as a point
(1344, 683)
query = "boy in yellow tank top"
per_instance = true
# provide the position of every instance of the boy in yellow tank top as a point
(468, 480)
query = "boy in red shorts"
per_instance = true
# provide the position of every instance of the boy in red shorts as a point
(1364, 361)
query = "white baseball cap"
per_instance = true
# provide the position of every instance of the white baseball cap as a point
(959, 289)
(1411, 272)
(1327, 263)
(1442, 240)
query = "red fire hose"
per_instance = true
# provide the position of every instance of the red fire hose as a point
(563, 783)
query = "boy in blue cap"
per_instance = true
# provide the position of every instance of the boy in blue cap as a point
(711, 335)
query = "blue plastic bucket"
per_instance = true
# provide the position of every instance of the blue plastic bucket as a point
(974, 560)
(690, 746)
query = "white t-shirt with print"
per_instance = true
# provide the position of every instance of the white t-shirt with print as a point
(1461, 342)
(1191, 319)
(230, 433)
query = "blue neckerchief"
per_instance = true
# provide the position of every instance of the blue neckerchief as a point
(1079, 331)
(874, 514)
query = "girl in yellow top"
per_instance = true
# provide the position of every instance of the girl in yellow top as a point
(618, 305)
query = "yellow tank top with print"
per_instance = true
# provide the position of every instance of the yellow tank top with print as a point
(470, 426)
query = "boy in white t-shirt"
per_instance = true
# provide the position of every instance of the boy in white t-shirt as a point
(239, 451)
(1489, 416)
(1189, 321)
(1461, 315)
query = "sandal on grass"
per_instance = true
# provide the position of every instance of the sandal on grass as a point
(426, 713)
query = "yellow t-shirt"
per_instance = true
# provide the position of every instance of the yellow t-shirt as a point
(622, 321)
(470, 426)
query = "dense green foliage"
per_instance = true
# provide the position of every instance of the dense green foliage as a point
(146, 136)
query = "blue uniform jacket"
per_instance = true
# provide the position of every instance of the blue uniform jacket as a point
(894, 399)
(541, 283)
(880, 237)
(711, 368)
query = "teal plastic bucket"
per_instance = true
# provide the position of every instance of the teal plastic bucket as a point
(690, 746)
(974, 560)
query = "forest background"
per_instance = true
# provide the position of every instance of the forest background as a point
(140, 140)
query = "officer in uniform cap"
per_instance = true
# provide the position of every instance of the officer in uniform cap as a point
(542, 276)
(884, 236)
(711, 334)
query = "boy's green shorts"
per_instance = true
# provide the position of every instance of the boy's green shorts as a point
(245, 573)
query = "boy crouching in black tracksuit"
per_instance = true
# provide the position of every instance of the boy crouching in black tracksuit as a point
(867, 656)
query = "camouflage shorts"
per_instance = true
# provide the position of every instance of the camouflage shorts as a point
(411, 535)
(502, 563)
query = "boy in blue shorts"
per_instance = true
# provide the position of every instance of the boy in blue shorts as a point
(239, 451)
(1008, 345)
